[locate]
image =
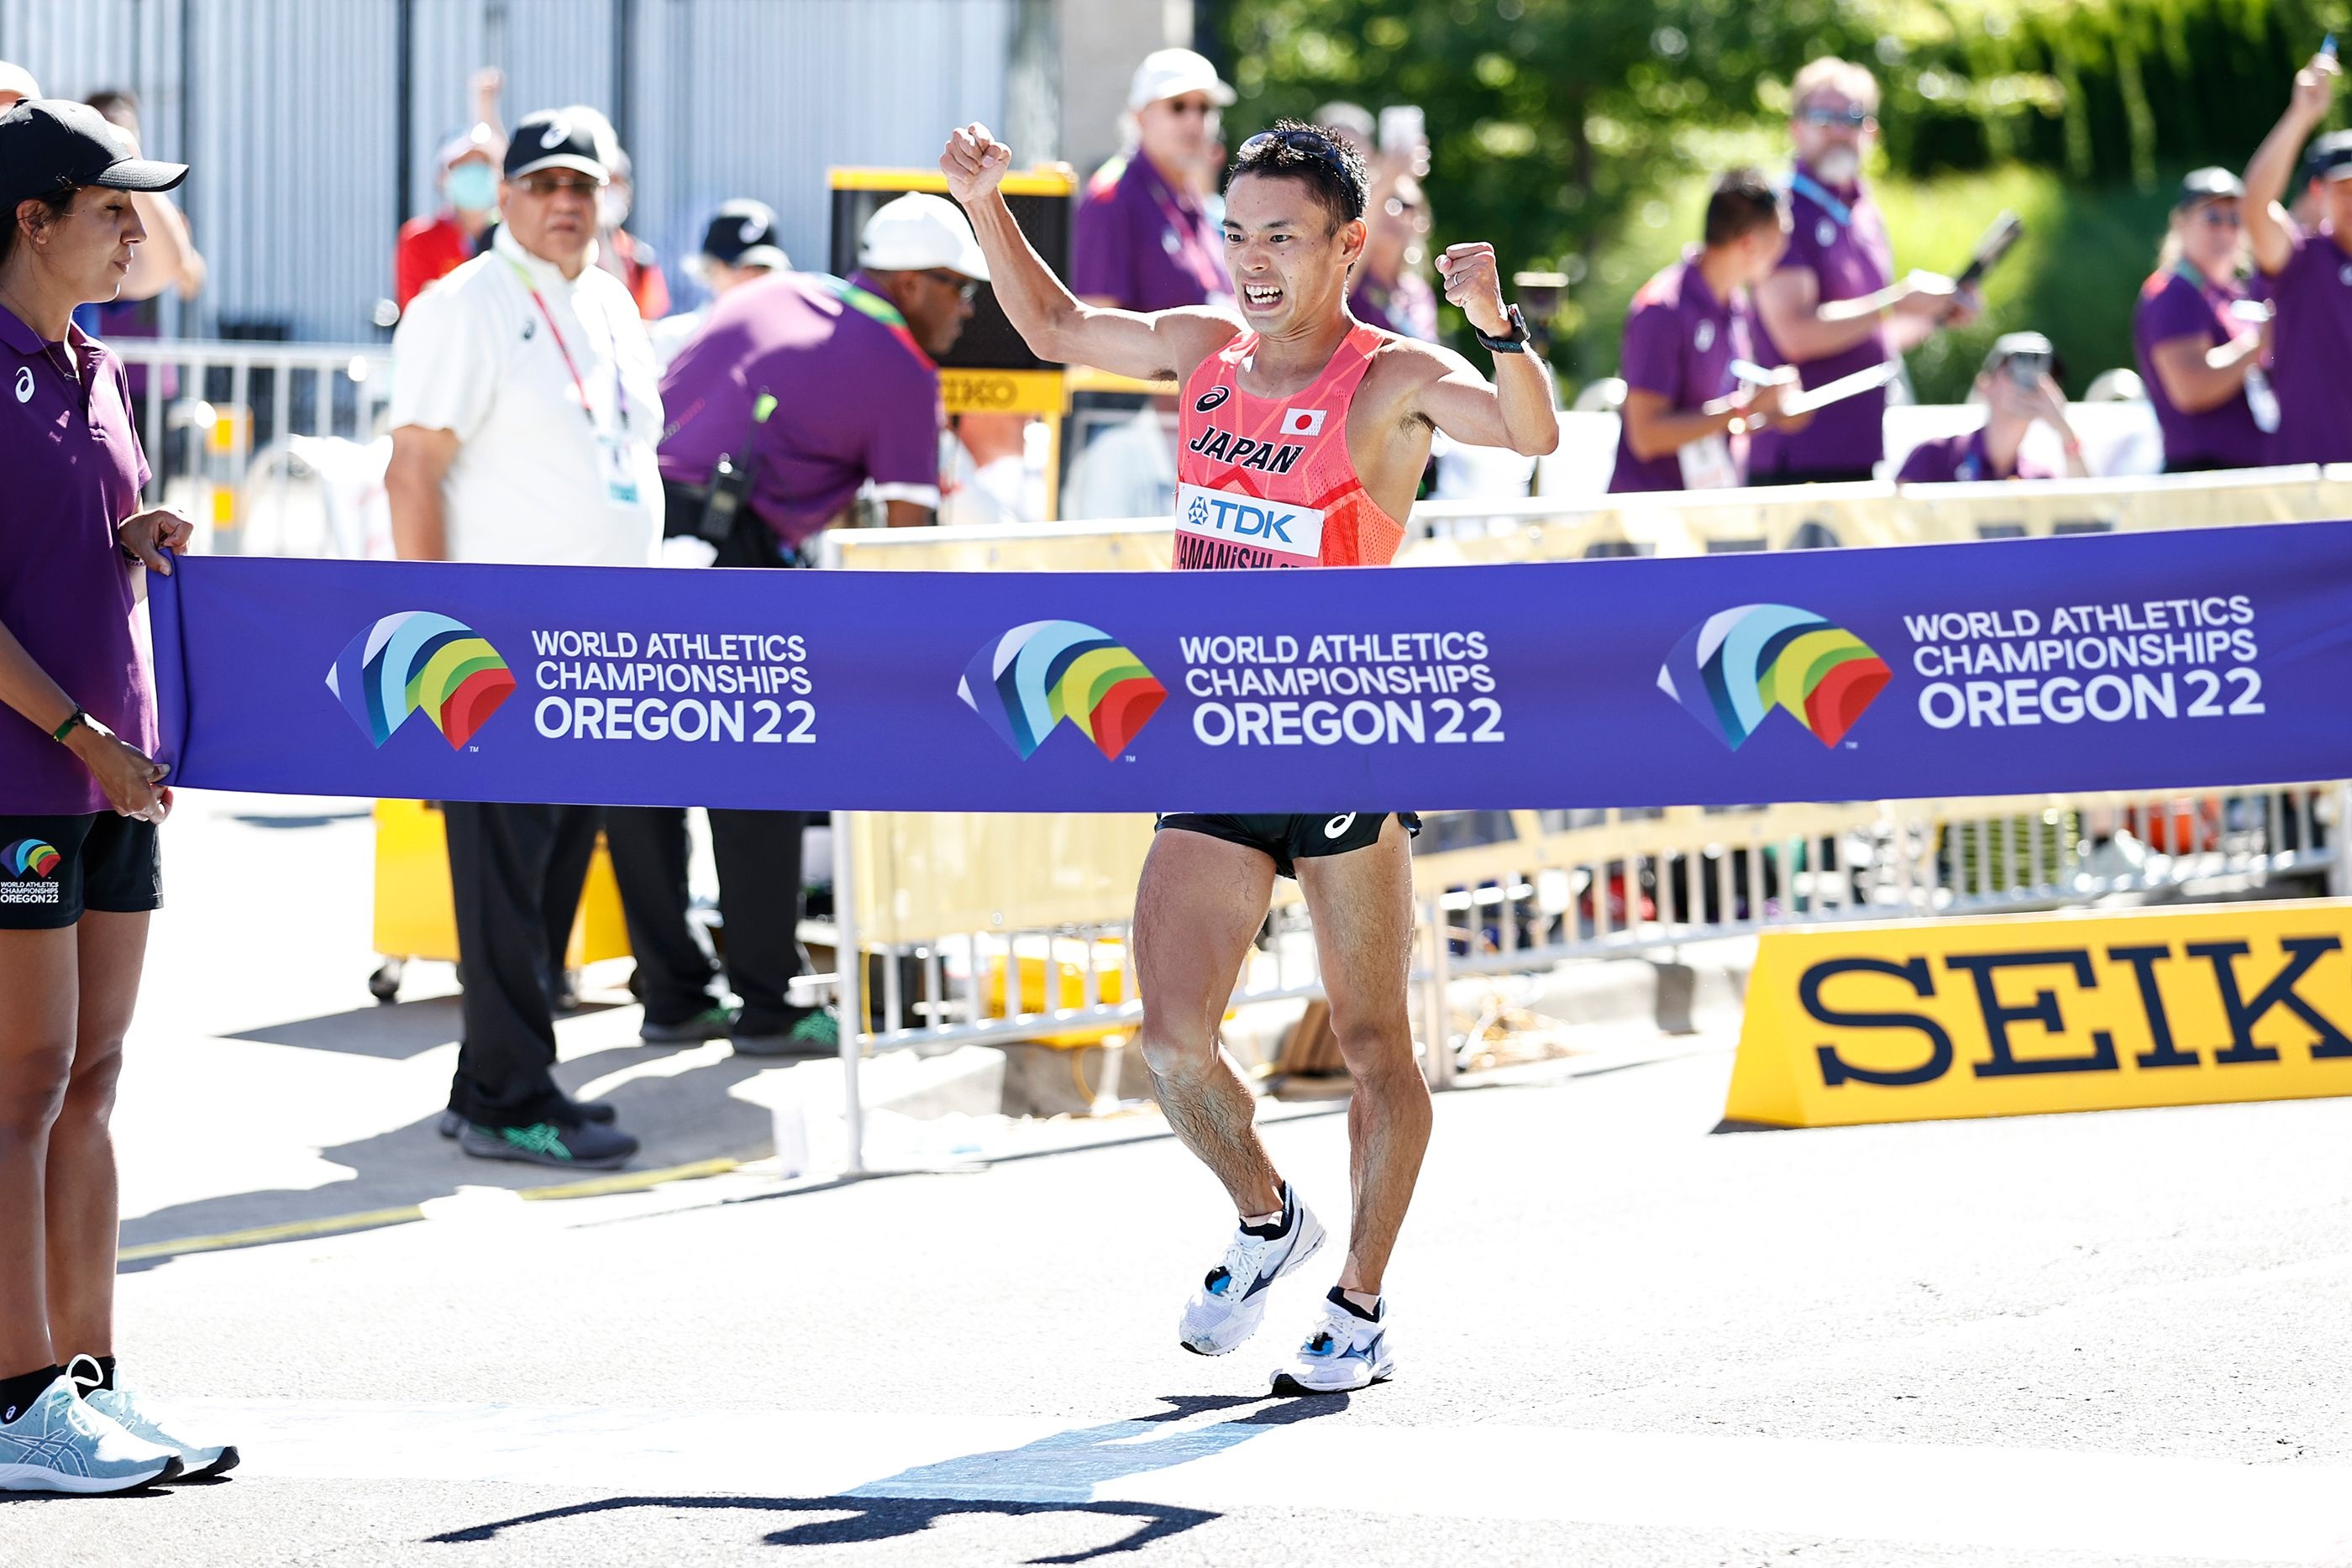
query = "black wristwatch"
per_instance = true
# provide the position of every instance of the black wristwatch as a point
(1516, 343)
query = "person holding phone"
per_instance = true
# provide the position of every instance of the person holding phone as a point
(80, 799)
(2308, 274)
(1833, 308)
(2200, 338)
(2019, 388)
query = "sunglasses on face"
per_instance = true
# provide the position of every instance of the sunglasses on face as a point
(1854, 116)
(966, 289)
(544, 185)
(1305, 141)
(1200, 106)
(2220, 218)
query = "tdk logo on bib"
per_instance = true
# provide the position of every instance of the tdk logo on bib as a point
(1254, 532)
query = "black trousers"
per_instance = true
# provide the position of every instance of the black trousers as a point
(514, 873)
(759, 856)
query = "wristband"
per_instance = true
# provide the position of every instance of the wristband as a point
(1516, 343)
(72, 719)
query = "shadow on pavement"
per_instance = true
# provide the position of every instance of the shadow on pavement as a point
(682, 1119)
(1057, 1474)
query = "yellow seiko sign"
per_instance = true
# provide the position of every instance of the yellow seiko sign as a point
(2008, 1016)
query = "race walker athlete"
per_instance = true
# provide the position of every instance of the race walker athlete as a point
(1303, 435)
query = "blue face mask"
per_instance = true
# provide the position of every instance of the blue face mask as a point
(470, 187)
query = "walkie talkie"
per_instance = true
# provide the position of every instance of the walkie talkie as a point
(730, 481)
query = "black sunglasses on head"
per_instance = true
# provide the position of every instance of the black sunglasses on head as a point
(1305, 141)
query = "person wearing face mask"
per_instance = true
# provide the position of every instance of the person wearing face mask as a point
(2019, 390)
(2200, 339)
(1833, 308)
(1141, 239)
(1687, 420)
(434, 246)
(2309, 274)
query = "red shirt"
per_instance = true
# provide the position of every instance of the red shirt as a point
(429, 248)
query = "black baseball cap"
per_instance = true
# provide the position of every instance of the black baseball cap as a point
(2205, 185)
(53, 144)
(561, 139)
(2330, 157)
(743, 233)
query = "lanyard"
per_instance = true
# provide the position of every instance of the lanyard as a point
(1196, 259)
(620, 392)
(1803, 185)
(867, 303)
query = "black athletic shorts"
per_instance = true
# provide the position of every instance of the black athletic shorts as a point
(53, 869)
(1288, 840)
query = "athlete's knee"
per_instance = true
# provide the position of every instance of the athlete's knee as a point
(97, 1071)
(33, 1090)
(1170, 1055)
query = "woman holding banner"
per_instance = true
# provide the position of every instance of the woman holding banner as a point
(81, 797)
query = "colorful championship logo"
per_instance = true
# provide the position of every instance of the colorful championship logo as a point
(417, 660)
(1035, 676)
(1736, 667)
(30, 857)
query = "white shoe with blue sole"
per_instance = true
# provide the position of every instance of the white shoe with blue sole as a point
(1231, 1302)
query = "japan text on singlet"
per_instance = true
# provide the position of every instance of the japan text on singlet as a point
(1267, 482)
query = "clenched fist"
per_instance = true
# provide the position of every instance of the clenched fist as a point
(973, 163)
(1474, 287)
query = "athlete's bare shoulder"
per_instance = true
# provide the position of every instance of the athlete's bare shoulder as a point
(1192, 333)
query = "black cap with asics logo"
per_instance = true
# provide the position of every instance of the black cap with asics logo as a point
(54, 144)
(562, 138)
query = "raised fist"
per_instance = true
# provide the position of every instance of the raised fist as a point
(973, 163)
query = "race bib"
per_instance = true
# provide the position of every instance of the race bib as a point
(1221, 529)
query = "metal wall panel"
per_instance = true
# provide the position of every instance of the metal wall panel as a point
(288, 109)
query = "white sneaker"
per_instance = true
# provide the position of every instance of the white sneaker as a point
(121, 1404)
(1343, 1353)
(1231, 1302)
(59, 1444)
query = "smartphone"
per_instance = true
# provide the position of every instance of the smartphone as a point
(2027, 370)
(1403, 128)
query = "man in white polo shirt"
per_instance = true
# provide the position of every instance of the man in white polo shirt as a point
(525, 413)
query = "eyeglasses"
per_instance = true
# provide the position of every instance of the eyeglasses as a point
(1852, 116)
(1200, 106)
(543, 185)
(966, 289)
(2215, 215)
(1305, 141)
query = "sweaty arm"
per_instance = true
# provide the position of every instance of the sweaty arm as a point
(2198, 377)
(1057, 325)
(412, 482)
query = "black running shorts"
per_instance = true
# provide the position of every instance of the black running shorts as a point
(1288, 840)
(53, 869)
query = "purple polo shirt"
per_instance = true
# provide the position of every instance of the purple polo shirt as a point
(2182, 303)
(66, 593)
(1407, 307)
(855, 400)
(1140, 242)
(1961, 459)
(1680, 340)
(1844, 246)
(2311, 340)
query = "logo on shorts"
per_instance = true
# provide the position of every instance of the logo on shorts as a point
(1029, 680)
(1731, 671)
(1213, 398)
(417, 660)
(31, 857)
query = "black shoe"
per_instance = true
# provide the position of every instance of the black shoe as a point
(588, 1147)
(603, 1113)
(711, 1024)
(813, 1035)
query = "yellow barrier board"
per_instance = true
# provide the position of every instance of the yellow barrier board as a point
(2013, 1015)
(1002, 392)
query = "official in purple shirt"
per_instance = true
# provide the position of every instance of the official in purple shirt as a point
(2199, 337)
(1687, 417)
(1833, 309)
(80, 794)
(1141, 238)
(2019, 389)
(814, 385)
(2310, 276)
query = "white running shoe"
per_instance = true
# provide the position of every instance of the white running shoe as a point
(1344, 1351)
(121, 1405)
(1231, 1302)
(59, 1444)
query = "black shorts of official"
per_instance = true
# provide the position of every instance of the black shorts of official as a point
(54, 869)
(1288, 840)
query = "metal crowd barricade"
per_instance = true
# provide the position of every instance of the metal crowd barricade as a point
(1502, 893)
(273, 448)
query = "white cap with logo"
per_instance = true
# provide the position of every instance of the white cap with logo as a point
(1172, 73)
(917, 231)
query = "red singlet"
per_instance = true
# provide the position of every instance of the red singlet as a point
(1261, 481)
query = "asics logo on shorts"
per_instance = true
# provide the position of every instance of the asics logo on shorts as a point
(1337, 826)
